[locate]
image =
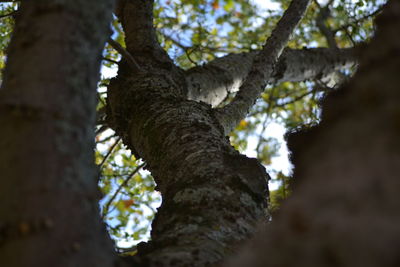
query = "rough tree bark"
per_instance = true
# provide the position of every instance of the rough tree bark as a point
(212, 195)
(48, 183)
(213, 82)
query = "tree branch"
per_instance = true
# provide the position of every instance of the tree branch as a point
(263, 67)
(110, 60)
(297, 98)
(125, 55)
(357, 21)
(324, 14)
(124, 183)
(110, 150)
(136, 17)
(212, 82)
(8, 14)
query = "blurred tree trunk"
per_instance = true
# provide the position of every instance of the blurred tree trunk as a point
(48, 181)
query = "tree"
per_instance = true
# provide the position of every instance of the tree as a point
(48, 202)
(213, 197)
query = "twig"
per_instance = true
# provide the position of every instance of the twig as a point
(295, 99)
(346, 31)
(109, 152)
(106, 138)
(187, 49)
(100, 130)
(344, 27)
(100, 99)
(261, 138)
(124, 183)
(125, 55)
(324, 14)
(271, 105)
(174, 41)
(110, 60)
(187, 53)
(9, 14)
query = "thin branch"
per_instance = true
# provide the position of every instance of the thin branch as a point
(324, 14)
(187, 49)
(101, 101)
(191, 49)
(346, 31)
(125, 55)
(109, 152)
(110, 60)
(106, 138)
(174, 41)
(102, 129)
(9, 14)
(261, 138)
(263, 67)
(124, 183)
(198, 46)
(297, 98)
(271, 105)
(368, 16)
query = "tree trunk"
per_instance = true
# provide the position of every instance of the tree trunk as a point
(48, 183)
(213, 197)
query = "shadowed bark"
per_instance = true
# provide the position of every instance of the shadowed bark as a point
(48, 183)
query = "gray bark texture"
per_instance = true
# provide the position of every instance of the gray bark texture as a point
(213, 197)
(213, 82)
(345, 209)
(48, 183)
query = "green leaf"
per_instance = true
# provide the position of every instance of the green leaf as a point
(229, 5)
